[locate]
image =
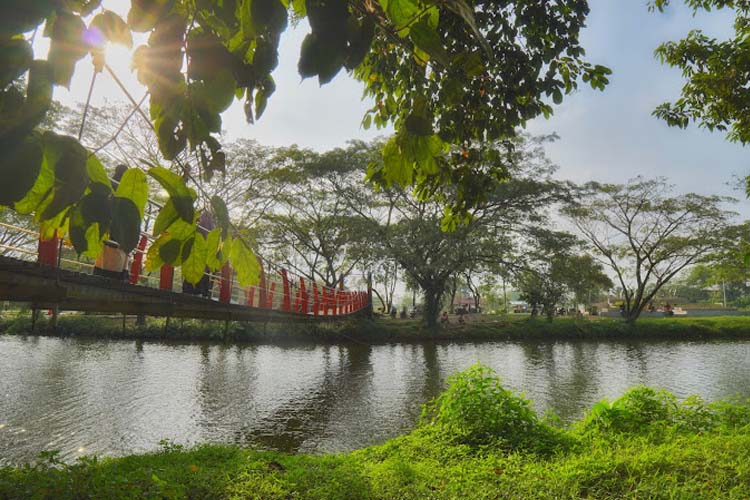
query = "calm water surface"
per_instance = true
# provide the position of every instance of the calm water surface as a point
(120, 397)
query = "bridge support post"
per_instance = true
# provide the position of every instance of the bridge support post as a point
(369, 295)
(166, 277)
(225, 288)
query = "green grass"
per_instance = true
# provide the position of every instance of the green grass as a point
(476, 441)
(478, 327)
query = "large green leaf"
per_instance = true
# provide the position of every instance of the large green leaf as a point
(402, 13)
(68, 159)
(194, 265)
(221, 214)
(20, 16)
(268, 16)
(178, 191)
(39, 191)
(171, 252)
(322, 57)
(216, 94)
(77, 230)
(126, 223)
(182, 230)
(427, 38)
(144, 14)
(15, 58)
(85, 236)
(67, 46)
(96, 172)
(134, 187)
(396, 168)
(20, 165)
(245, 263)
(153, 255)
(96, 207)
(94, 241)
(57, 224)
(167, 215)
(113, 28)
(213, 239)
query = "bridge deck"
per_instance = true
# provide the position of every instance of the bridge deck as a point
(50, 288)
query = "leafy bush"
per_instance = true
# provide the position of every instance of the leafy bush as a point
(477, 410)
(645, 410)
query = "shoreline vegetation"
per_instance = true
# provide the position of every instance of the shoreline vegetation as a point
(382, 330)
(477, 440)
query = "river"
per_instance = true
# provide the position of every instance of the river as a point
(111, 397)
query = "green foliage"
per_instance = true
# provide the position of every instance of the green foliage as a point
(713, 94)
(200, 55)
(179, 195)
(22, 162)
(646, 236)
(476, 410)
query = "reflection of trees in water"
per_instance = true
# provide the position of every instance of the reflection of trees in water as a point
(223, 385)
(636, 361)
(570, 376)
(344, 380)
(74, 393)
(429, 385)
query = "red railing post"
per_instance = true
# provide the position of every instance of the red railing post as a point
(262, 292)
(47, 250)
(316, 299)
(166, 277)
(287, 303)
(303, 294)
(225, 287)
(137, 265)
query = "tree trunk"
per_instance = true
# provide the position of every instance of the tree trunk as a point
(550, 311)
(432, 303)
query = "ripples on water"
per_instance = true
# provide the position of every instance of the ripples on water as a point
(120, 397)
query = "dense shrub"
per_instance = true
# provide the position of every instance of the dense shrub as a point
(476, 410)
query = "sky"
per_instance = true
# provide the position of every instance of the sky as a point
(605, 136)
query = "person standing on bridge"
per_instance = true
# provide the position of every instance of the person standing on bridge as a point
(113, 262)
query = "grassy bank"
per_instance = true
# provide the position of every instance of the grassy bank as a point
(477, 327)
(476, 441)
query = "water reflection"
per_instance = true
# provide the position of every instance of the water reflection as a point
(118, 397)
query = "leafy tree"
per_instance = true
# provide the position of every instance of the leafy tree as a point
(309, 221)
(716, 73)
(449, 72)
(411, 231)
(646, 236)
(728, 273)
(556, 271)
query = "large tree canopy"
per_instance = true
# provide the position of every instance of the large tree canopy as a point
(716, 74)
(443, 72)
(646, 236)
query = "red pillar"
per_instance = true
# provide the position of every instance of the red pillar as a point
(166, 276)
(316, 299)
(250, 293)
(225, 290)
(136, 266)
(287, 303)
(304, 295)
(262, 292)
(47, 251)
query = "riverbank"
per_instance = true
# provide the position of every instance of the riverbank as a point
(385, 330)
(477, 440)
